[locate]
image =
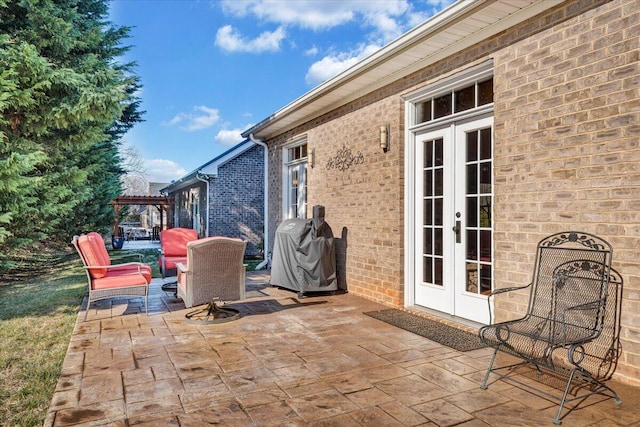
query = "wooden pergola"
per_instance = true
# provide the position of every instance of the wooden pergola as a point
(160, 202)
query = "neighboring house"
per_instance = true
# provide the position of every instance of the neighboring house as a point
(449, 153)
(223, 197)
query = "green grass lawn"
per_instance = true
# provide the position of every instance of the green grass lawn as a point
(38, 311)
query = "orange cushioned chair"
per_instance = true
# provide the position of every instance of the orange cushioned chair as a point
(106, 280)
(173, 243)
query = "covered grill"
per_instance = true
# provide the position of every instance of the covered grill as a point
(304, 255)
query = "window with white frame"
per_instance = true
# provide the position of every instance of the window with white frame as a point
(295, 180)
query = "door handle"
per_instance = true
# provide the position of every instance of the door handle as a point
(457, 229)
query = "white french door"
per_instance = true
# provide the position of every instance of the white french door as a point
(453, 218)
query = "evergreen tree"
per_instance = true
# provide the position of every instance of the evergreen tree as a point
(65, 102)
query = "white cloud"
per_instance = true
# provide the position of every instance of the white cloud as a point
(313, 51)
(331, 65)
(315, 15)
(162, 170)
(203, 117)
(230, 137)
(229, 39)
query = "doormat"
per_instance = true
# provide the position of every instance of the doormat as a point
(431, 329)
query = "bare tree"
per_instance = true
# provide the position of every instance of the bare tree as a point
(134, 181)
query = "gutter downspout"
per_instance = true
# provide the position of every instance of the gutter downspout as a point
(204, 178)
(266, 200)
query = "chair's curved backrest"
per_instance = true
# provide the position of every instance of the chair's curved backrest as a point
(93, 252)
(174, 240)
(551, 296)
(216, 268)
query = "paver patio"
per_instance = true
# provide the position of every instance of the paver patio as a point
(317, 361)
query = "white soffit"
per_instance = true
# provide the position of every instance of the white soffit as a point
(458, 27)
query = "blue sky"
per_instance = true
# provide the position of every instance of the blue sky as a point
(212, 69)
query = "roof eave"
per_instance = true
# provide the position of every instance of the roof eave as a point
(446, 19)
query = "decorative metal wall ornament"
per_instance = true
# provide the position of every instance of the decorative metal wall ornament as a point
(344, 158)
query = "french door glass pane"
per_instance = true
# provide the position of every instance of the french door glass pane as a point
(479, 188)
(432, 216)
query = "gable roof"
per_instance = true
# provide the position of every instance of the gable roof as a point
(455, 28)
(209, 168)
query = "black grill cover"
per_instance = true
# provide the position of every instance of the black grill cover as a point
(304, 255)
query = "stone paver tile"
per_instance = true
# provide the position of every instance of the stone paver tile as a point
(443, 413)
(160, 407)
(455, 366)
(365, 358)
(113, 323)
(82, 328)
(67, 382)
(530, 399)
(411, 389)
(150, 391)
(342, 420)
(296, 389)
(405, 415)
(92, 415)
(349, 383)
(405, 356)
(162, 371)
(494, 384)
(282, 361)
(224, 412)
(135, 376)
(233, 365)
(374, 417)
(153, 340)
(116, 360)
(321, 405)
(73, 363)
(211, 385)
(333, 366)
(275, 414)
(383, 373)
(101, 388)
(115, 339)
(198, 369)
(474, 423)
(313, 354)
(294, 373)
(246, 381)
(369, 397)
(513, 414)
(68, 398)
(271, 349)
(262, 397)
(387, 347)
(84, 343)
(446, 379)
(164, 421)
(476, 400)
(152, 361)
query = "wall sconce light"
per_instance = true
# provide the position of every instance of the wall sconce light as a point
(384, 138)
(311, 157)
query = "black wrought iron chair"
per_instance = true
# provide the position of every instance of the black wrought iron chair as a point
(572, 324)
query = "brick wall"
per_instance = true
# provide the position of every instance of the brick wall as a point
(567, 155)
(237, 202)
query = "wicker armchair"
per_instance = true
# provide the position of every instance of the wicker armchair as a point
(108, 280)
(214, 271)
